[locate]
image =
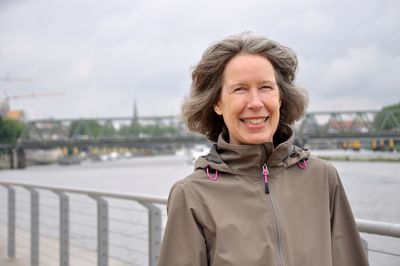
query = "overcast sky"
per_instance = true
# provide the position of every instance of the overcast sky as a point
(103, 55)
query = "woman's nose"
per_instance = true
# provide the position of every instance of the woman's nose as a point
(255, 101)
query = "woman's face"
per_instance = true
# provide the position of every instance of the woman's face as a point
(249, 102)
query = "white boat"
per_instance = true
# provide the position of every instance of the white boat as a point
(48, 156)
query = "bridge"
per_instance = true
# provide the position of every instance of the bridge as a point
(150, 131)
(377, 130)
(155, 130)
(370, 127)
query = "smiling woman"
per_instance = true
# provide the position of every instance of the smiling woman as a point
(249, 102)
(255, 199)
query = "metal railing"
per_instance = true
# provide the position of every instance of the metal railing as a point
(101, 198)
(102, 219)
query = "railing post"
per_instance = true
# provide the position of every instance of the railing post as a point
(64, 228)
(34, 226)
(102, 231)
(11, 222)
(154, 232)
(365, 245)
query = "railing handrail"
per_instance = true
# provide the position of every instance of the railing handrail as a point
(99, 193)
(378, 228)
(364, 226)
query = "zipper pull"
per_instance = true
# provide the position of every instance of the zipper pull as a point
(266, 176)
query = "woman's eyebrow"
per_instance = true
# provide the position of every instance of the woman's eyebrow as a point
(237, 84)
(268, 82)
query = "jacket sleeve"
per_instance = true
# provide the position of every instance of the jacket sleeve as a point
(347, 248)
(183, 242)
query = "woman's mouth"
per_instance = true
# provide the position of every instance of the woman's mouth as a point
(254, 121)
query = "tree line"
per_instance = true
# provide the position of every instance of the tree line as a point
(92, 128)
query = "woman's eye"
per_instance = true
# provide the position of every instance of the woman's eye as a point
(266, 87)
(239, 89)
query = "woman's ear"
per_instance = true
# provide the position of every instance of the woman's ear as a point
(217, 108)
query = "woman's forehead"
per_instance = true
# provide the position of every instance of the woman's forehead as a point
(244, 68)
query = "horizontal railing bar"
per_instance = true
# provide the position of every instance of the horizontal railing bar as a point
(384, 252)
(126, 221)
(50, 246)
(28, 220)
(81, 213)
(23, 246)
(77, 257)
(129, 249)
(46, 216)
(378, 228)
(128, 209)
(22, 210)
(117, 195)
(49, 226)
(49, 256)
(84, 225)
(126, 235)
(23, 237)
(50, 207)
(77, 237)
(364, 226)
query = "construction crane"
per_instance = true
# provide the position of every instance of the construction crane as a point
(5, 101)
(7, 78)
(18, 114)
(33, 95)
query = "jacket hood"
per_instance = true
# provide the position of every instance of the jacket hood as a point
(248, 159)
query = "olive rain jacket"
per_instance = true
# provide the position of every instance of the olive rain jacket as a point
(232, 215)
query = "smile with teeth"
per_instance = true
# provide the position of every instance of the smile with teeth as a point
(255, 121)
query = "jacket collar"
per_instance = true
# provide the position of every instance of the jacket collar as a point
(249, 159)
(244, 159)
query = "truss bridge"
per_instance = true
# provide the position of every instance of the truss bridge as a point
(375, 130)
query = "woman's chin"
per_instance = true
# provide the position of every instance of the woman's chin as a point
(253, 140)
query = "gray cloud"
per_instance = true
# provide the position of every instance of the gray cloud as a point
(105, 54)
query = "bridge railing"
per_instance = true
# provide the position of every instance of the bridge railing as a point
(75, 212)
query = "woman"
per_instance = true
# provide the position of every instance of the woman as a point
(255, 199)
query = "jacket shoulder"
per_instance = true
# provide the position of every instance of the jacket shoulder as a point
(185, 189)
(326, 170)
(189, 181)
(323, 166)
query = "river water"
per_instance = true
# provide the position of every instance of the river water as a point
(373, 189)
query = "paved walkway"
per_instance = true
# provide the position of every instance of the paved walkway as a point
(49, 253)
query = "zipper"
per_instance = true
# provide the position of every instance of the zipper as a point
(278, 229)
(266, 176)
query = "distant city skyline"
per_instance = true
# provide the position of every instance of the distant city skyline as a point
(104, 55)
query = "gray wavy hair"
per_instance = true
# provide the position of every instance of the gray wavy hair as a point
(207, 79)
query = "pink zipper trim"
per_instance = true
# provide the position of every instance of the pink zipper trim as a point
(266, 176)
(302, 164)
(265, 173)
(211, 177)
